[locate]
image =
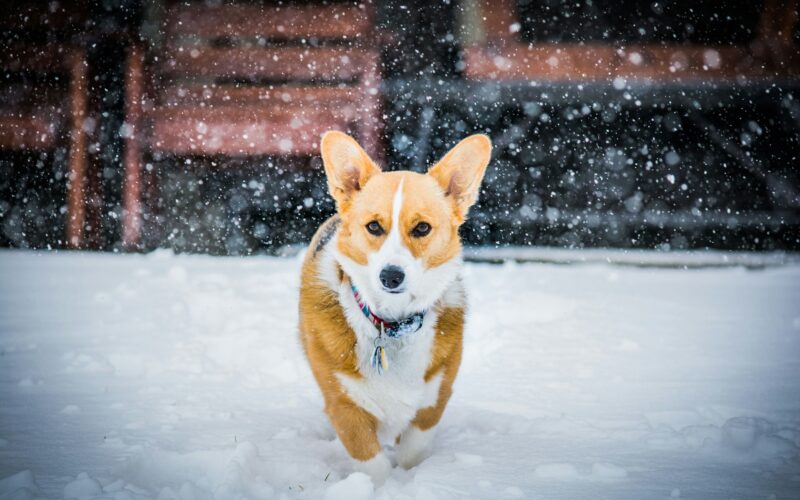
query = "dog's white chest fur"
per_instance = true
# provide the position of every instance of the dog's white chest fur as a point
(394, 396)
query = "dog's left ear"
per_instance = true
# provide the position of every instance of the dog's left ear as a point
(347, 166)
(461, 171)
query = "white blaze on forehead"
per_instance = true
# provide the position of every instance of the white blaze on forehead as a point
(394, 242)
(397, 205)
(393, 251)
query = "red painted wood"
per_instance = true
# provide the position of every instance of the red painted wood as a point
(264, 89)
(660, 64)
(36, 58)
(268, 21)
(546, 62)
(132, 184)
(76, 183)
(242, 131)
(278, 63)
(370, 125)
(502, 55)
(38, 131)
(37, 121)
(193, 94)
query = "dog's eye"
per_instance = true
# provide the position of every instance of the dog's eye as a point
(421, 229)
(375, 228)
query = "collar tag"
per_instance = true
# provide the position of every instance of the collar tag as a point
(379, 360)
(386, 329)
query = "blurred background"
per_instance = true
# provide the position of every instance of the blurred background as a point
(142, 124)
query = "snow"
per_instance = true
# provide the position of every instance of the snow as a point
(357, 486)
(163, 376)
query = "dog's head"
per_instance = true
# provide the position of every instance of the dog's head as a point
(398, 240)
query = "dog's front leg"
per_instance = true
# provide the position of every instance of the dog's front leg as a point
(357, 429)
(415, 441)
(414, 446)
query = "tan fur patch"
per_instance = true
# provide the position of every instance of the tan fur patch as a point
(423, 201)
(446, 358)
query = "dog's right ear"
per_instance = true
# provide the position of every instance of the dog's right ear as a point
(347, 166)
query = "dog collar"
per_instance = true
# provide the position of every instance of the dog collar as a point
(390, 329)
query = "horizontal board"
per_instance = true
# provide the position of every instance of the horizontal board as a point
(37, 132)
(38, 58)
(277, 112)
(282, 22)
(311, 63)
(564, 62)
(546, 62)
(241, 131)
(40, 17)
(220, 94)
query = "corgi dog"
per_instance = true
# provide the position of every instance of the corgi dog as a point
(381, 298)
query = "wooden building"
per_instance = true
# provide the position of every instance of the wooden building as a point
(194, 125)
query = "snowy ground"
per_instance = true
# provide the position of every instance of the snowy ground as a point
(181, 377)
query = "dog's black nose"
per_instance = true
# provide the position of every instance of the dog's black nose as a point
(392, 277)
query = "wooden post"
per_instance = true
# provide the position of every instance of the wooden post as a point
(132, 184)
(76, 177)
(370, 130)
(778, 18)
(370, 127)
(497, 17)
(775, 32)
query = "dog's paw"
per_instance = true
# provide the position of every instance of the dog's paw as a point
(413, 447)
(379, 468)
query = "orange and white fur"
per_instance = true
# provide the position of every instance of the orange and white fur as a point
(395, 238)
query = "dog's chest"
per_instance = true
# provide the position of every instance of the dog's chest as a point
(394, 396)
